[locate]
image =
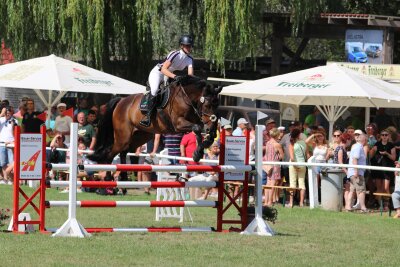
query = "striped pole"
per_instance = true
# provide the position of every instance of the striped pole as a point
(157, 168)
(100, 184)
(151, 204)
(151, 229)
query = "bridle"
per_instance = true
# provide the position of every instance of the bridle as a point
(198, 112)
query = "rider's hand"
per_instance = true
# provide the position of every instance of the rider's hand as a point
(178, 79)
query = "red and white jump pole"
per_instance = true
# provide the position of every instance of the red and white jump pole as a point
(119, 204)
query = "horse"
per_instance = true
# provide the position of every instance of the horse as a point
(192, 102)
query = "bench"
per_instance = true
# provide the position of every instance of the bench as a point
(382, 196)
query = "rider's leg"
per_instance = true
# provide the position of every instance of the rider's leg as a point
(155, 78)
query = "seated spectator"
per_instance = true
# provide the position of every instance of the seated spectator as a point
(212, 153)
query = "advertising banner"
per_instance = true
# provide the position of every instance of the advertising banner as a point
(235, 154)
(31, 155)
(381, 71)
(364, 46)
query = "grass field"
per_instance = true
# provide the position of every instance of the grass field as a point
(304, 238)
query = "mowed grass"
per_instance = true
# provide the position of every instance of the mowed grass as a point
(304, 238)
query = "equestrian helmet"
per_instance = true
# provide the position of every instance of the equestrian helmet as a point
(186, 40)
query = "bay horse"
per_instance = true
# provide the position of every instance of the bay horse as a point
(192, 101)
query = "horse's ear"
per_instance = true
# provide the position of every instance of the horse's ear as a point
(218, 90)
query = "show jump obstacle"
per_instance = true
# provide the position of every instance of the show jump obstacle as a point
(30, 163)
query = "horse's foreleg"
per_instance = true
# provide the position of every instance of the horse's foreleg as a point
(199, 152)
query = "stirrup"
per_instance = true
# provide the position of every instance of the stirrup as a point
(145, 121)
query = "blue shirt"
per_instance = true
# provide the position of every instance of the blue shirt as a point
(357, 152)
(237, 132)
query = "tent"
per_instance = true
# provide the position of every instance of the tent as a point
(333, 89)
(57, 74)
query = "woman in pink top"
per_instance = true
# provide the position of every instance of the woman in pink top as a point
(273, 152)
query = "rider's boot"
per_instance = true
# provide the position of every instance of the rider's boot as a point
(146, 121)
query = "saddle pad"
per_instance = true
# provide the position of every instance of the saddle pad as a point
(162, 99)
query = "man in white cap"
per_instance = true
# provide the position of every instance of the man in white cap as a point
(241, 125)
(63, 123)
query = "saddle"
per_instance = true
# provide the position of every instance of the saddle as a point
(162, 98)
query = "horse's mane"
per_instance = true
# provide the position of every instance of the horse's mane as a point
(188, 79)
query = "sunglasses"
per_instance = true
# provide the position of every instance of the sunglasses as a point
(336, 135)
(384, 134)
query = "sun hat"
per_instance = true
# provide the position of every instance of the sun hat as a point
(358, 131)
(62, 105)
(270, 121)
(242, 121)
(228, 126)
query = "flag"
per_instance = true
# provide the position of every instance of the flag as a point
(69, 112)
(42, 116)
(224, 122)
(261, 115)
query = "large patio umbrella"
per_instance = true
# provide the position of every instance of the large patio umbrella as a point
(57, 74)
(333, 89)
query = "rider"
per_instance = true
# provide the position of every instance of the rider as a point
(176, 60)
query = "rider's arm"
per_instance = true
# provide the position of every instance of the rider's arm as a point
(190, 71)
(165, 71)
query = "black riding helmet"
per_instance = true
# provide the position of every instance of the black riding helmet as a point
(186, 39)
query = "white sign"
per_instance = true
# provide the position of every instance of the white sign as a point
(289, 114)
(235, 154)
(31, 155)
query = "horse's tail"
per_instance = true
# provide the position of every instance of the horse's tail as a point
(105, 134)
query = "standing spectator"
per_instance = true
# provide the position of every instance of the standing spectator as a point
(372, 131)
(319, 150)
(241, 126)
(30, 122)
(383, 154)
(172, 142)
(297, 174)
(189, 144)
(269, 124)
(356, 175)
(86, 131)
(273, 152)
(340, 157)
(63, 123)
(7, 124)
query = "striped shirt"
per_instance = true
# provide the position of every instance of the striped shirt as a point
(179, 61)
(172, 143)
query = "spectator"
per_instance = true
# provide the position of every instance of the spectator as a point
(273, 152)
(297, 174)
(228, 130)
(241, 126)
(82, 107)
(92, 119)
(63, 123)
(30, 122)
(340, 157)
(7, 124)
(383, 154)
(335, 142)
(212, 154)
(356, 175)
(269, 124)
(86, 131)
(153, 147)
(319, 150)
(372, 131)
(189, 144)
(172, 143)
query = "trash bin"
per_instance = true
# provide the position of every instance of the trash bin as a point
(332, 189)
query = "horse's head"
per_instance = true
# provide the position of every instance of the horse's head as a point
(208, 104)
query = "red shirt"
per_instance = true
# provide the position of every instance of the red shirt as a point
(190, 144)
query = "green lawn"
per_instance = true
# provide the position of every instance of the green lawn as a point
(304, 238)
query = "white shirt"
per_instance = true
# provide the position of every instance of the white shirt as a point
(6, 129)
(63, 124)
(179, 61)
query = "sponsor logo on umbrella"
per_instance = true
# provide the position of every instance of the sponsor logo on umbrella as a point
(315, 77)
